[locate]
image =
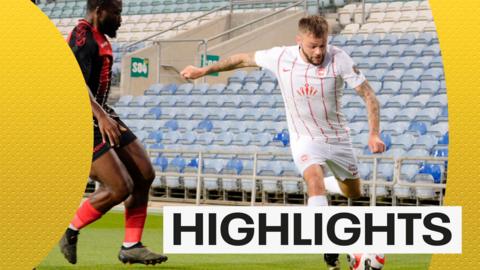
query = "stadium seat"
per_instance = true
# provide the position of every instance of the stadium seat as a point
(408, 172)
(418, 101)
(379, 51)
(428, 114)
(438, 129)
(403, 141)
(439, 101)
(403, 62)
(417, 128)
(398, 101)
(426, 142)
(424, 192)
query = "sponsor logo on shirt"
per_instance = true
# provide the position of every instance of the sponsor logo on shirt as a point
(307, 90)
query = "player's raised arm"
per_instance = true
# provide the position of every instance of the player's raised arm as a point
(235, 61)
(375, 143)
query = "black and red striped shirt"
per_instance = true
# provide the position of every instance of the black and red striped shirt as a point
(95, 57)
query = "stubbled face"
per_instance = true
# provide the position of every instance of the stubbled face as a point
(312, 48)
(110, 18)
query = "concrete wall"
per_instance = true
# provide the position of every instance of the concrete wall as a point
(276, 31)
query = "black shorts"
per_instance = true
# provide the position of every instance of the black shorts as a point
(100, 147)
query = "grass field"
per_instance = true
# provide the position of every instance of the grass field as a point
(99, 244)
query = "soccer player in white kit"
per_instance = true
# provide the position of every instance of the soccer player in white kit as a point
(311, 77)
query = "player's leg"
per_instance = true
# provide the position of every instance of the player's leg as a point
(138, 164)
(316, 189)
(116, 186)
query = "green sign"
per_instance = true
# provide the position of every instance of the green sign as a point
(139, 67)
(211, 59)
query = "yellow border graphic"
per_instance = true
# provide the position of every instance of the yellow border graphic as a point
(458, 27)
(46, 135)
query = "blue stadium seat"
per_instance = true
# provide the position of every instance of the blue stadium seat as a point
(372, 39)
(422, 62)
(123, 101)
(428, 114)
(388, 114)
(215, 89)
(205, 125)
(205, 138)
(424, 192)
(254, 76)
(398, 101)
(199, 89)
(429, 87)
(403, 62)
(439, 101)
(403, 141)
(388, 39)
(426, 142)
(435, 170)
(390, 87)
(171, 125)
(154, 137)
(433, 50)
(238, 76)
(395, 152)
(408, 172)
(444, 139)
(375, 74)
(396, 127)
(265, 88)
(138, 101)
(338, 40)
(412, 74)
(418, 128)
(386, 63)
(365, 170)
(355, 40)
(424, 38)
(418, 101)
(443, 117)
(436, 62)
(224, 138)
(379, 51)
(361, 51)
(185, 89)
(414, 50)
(409, 87)
(233, 88)
(385, 171)
(396, 50)
(407, 38)
(439, 129)
(187, 138)
(169, 89)
(393, 75)
(433, 74)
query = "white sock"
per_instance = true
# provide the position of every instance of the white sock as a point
(319, 200)
(129, 244)
(332, 186)
(70, 226)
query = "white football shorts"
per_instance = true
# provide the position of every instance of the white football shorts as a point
(339, 157)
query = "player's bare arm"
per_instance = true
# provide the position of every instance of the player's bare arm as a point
(235, 61)
(375, 144)
(108, 127)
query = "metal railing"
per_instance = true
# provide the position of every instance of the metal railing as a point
(373, 183)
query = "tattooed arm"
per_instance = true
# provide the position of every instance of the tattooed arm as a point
(230, 63)
(375, 143)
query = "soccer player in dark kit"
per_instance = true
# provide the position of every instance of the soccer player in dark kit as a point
(120, 163)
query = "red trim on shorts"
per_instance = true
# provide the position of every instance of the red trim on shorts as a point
(293, 97)
(310, 106)
(98, 147)
(285, 101)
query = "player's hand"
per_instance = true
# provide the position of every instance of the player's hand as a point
(375, 144)
(110, 129)
(192, 72)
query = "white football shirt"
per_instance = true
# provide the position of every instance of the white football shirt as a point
(312, 94)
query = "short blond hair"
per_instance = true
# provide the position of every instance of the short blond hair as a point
(313, 24)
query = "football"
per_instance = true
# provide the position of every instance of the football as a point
(366, 261)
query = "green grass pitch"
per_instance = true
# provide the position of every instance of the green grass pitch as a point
(99, 244)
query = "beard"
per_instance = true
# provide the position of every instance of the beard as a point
(310, 59)
(108, 27)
